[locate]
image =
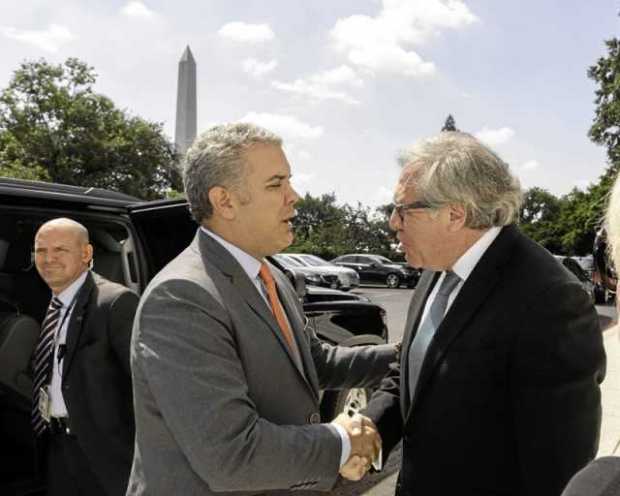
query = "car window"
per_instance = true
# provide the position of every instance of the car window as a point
(288, 261)
(314, 261)
(299, 260)
(575, 268)
(383, 259)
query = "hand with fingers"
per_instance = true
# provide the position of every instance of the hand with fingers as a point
(365, 444)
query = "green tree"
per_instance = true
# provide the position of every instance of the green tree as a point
(449, 124)
(605, 128)
(539, 218)
(54, 127)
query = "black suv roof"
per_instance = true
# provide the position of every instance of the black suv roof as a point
(74, 194)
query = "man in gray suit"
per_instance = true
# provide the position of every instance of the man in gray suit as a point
(226, 370)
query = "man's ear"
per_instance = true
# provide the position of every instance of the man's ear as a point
(221, 202)
(457, 217)
(88, 253)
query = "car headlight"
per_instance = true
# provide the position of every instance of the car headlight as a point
(315, 278)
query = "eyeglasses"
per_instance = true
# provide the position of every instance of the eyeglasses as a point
(401, 208)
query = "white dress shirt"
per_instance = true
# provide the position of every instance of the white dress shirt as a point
(463, 267)
(251, 266)
(67, 297)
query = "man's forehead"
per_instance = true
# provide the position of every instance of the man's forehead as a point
(266, 161)
(57, 235)
(405, 188)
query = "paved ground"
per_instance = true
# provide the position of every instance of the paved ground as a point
(396, 303)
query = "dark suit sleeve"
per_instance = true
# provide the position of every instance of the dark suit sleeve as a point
(557, 366)
(122, 311)
(384, 410)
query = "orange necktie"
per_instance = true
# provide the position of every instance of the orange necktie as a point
(276, 306)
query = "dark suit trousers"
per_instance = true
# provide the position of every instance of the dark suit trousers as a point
(67, 470)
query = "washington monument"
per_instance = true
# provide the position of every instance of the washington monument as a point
(185, 130)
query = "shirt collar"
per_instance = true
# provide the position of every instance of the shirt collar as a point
(67, 295)
(465, 265)
(248, 263)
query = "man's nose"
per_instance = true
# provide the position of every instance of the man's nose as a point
(293, 195)
(395, 221)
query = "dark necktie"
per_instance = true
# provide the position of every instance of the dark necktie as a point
(43, 360)
(427, 329)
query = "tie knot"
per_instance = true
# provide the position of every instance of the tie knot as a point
(449, 282)
(265, 274)
(56, 304)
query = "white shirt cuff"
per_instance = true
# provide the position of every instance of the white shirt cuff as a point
(346, 443)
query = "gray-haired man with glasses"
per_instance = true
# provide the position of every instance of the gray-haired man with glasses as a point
(497, 391)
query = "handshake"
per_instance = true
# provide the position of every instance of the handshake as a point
(365, 445)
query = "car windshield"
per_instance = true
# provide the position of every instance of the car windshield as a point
(287, 261)
(315, 261)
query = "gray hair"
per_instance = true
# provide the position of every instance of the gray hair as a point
(612, 223)
(216, 159)
(454, 167)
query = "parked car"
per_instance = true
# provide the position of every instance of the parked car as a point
(604, 275)
(346, 278)
(577, 270)
(378, 269)
(132, 241)
(311, 276)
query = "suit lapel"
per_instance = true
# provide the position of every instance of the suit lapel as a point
(288, 299)
(416, 308)
(76, 321)
(471, 297)
(218, 256)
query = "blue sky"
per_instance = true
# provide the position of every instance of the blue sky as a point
(348, 83)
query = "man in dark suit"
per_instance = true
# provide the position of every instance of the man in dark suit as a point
(82, 411)
(226, 370)
(497, 392)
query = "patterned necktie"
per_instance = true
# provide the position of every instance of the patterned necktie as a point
(427, 329)
(43, 360)
(276, 306)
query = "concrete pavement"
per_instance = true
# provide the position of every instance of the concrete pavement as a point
(610, 429)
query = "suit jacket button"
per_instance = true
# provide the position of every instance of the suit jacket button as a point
(314, 418)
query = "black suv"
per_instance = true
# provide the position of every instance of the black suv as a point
(376, 269)
(132, 241)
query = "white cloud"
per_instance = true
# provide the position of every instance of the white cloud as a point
(530, 165)
(305, 155)
(319, 86)
(383, 196)
(381, 44)
(246, 33)
(257, 68)
(340, 75)
(50, 39)
(314, 91)
(137, 10)
(494, 137)
(582, 184)
(289, 127)
(302, 180)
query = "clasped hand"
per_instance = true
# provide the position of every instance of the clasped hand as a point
(365, 444)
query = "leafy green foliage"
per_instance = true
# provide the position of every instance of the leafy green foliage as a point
(449, 125)
(328, 230)
(54, 127)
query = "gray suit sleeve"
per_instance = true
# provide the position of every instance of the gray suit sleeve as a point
(188, 352)
(341, 367)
